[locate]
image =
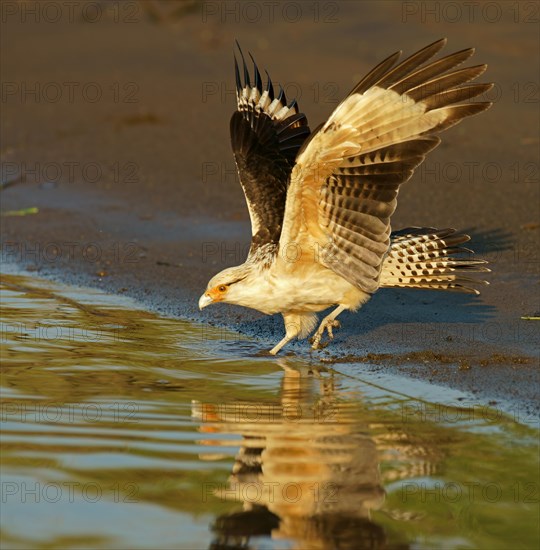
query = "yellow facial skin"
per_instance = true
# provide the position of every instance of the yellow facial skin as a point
(216, 294)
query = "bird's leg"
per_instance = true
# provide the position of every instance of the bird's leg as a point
(276, 348)
(328, 323)
(292, 328)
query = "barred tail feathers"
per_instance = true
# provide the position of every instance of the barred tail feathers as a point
(431, 259)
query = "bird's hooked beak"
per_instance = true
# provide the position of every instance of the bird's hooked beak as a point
(205, 300)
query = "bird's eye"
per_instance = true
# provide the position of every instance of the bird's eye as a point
(222, 288)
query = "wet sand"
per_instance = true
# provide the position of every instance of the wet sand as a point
(116, 130)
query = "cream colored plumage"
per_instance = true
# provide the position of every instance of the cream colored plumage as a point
(321, 203)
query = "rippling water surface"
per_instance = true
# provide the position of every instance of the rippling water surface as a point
(121, 429)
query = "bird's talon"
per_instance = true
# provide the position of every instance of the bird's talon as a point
(319, 345)
(328, 326)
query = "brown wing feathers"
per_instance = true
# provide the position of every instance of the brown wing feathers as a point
(358, 199)
(266, 134)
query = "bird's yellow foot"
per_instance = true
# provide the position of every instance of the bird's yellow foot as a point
(329, 325)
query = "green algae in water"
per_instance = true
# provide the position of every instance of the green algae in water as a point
(121, 429)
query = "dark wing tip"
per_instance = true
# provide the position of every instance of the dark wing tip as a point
(247, 81)
(237, 76)
(258, 80)
(281, 96)
(269, 86)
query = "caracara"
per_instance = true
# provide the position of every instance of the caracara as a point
(320, 202)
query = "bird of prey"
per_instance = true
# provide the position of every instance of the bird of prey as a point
(320, 202)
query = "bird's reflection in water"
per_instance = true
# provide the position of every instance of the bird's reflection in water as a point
(307, 470)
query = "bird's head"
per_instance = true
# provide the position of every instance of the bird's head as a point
(227, 287)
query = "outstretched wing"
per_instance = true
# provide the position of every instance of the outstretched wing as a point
(266, 135)
(347, 176)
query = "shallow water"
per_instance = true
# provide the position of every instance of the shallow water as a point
(121, 429)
